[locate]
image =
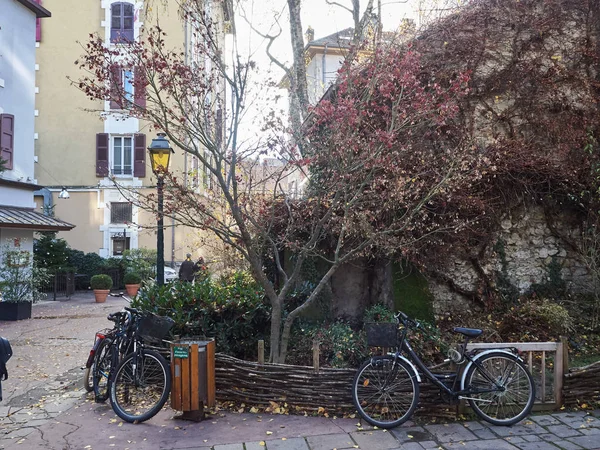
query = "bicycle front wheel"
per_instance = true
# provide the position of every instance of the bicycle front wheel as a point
(87, 380)
(140, 386)
(509, 398)
(385, 391)
(100, 369)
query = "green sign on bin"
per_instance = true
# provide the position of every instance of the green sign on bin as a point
(180, 352)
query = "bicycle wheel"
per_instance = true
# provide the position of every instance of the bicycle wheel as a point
(87, 380)
(513, 402)
(385, 394)
(100, 369)
(138, 393)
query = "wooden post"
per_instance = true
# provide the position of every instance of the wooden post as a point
(558, 373)
(543, 396)
(316, 352)
(565, 343)
(261, 352)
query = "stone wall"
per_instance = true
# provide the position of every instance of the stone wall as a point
(529, 246)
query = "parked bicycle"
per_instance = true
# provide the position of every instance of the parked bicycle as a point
(136, 379)
(496, 383)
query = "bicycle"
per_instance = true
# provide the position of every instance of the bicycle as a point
(496, 383)
(110, 347)
(140, 384)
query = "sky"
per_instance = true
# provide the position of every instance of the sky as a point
(270, 17)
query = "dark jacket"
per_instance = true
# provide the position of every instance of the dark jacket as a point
(186, 271)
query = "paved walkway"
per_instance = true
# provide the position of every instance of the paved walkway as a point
(44, 407)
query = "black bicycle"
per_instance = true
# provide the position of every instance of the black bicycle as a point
(496, 383)
(135, 378)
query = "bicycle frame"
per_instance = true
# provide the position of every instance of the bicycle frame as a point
(413, 357)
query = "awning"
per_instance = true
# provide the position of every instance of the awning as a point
(11, 217)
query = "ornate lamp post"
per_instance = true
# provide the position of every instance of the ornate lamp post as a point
(160, 153)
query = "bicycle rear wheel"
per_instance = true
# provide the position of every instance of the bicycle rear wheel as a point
(509, 404)
(139, 390)
(100, 369)
(385, 391)
(87, 380)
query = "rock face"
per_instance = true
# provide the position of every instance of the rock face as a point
(523, 251)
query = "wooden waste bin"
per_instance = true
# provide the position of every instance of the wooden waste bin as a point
(193, 374)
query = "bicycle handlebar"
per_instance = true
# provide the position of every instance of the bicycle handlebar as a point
(407, 321)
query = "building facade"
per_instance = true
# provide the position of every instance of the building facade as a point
(19, 22)
(84, 145)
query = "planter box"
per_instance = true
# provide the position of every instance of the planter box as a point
(15, 311)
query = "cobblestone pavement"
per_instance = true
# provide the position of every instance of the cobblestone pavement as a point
(44, 407)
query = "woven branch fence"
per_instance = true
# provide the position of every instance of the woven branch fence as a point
(299, 386)
(582, 385)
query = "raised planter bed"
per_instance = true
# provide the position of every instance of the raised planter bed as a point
(15, 310)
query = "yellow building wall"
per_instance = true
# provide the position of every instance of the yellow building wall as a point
(81, 209)
(65, 147)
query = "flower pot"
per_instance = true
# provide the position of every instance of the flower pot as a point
(15, 310)
(101, 295)
(132, 289)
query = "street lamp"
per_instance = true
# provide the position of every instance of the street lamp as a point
(160, 153)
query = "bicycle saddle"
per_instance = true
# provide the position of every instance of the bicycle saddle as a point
(469, 332)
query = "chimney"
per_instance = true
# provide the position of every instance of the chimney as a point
(310, 34)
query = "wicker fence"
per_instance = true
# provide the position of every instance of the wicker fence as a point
(305, 387)
(582, 385)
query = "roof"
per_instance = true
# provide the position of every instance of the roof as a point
(20, 184)
(12, 217)
(39, 10)
(341, 39)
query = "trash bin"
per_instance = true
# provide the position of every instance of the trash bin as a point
(193, 375)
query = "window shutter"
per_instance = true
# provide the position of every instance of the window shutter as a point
(102, 155)
(139, 87)
(38, 25)
(127, 23)
(139, 156)
(7, 142)
(116, 87)
(116, 22)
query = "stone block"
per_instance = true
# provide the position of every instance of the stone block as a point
(563, 431)
(329, 441)
(375, 440)
(491, 444)
(450, 432)
(288, 444)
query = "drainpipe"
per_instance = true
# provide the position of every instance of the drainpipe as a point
(48, 203)
(324, 66)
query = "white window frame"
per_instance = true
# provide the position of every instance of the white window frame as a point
(122, 168)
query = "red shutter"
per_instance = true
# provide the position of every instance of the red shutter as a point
(7, 139)
(116, 87)
(139, 156)
(102, 155)
(38, 25)
(139, 87)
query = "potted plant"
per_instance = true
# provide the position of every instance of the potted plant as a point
(20, 286)
(132, 283)
(101, 285)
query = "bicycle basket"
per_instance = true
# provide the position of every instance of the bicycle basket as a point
(153, 327)
(382, 334)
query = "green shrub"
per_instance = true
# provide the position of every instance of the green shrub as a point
(132, 278)
(231, 309)
(101, 282)
(537, 319)
(21, 281)
(141, 261)
(341, 346)
(378, 313)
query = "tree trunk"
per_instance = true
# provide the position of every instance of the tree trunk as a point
(299, 70)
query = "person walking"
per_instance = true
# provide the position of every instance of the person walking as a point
(200, 271)
(186, 270)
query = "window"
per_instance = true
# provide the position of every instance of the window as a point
(120, 212)
(122, 155)
(7, 128)
(127, 88)
(121, 22)
(119, 244)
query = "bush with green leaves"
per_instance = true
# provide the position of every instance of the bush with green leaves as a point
(51, 253)
(141, 261)
(536, 319)
(132, 278)
(21, 279)
(232, 309)
(101, 282)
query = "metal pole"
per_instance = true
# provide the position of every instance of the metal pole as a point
(160, 238)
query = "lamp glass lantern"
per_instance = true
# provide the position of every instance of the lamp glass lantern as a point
(160, 154)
